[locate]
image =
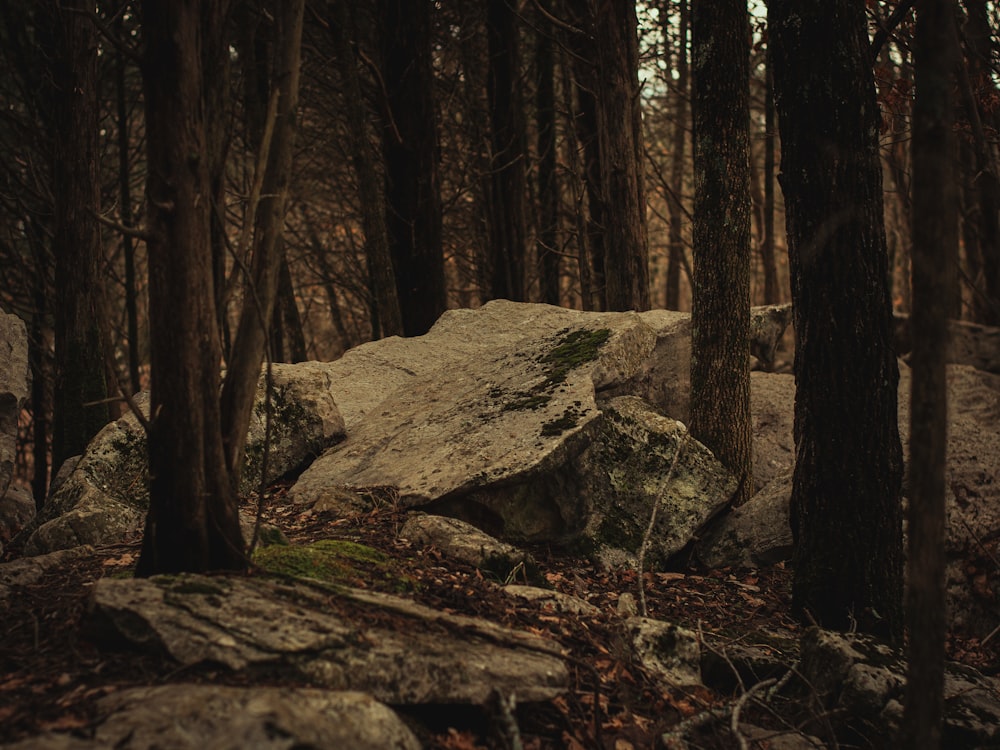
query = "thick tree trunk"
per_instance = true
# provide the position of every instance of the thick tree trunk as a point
(846, 515)
(619, 133)
(80, 339)
(410, 150)
(677, 162)
(720, 317)
(192, 524)
(508, 226)
(935, 248)
(772, 287)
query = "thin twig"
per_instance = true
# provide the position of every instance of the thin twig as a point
(734, 720)
(136, 232)
(652, 519)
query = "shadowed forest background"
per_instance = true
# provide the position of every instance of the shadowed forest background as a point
(497, 132)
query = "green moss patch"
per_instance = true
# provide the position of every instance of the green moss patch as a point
(575, 349)
(334, 561)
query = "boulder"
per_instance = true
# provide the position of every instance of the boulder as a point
(334, 637)
(105, 495)
(17, 508)
(863, 679)
(969, 343)
(27, 570)
(756, 534)
(192, 717)
(14, 378)
(463, 541)
(667, 652)
(554, 601)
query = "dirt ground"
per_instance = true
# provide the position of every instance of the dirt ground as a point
(51, 675)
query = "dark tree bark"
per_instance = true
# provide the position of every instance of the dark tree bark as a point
(772, 287)
(585, 124)
(80, 386)
(548, 184)
(720, 317)
(677, 162)
(192, 524)
(619, 133)
(846, 516)
(125, 209)
(508, 225)
(410, 150)
(373, 220)
(976, 78)
(250, 341)
(935, 248)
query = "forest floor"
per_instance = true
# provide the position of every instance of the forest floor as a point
(51, 676)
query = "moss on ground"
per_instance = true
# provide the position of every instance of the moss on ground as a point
(333, 561)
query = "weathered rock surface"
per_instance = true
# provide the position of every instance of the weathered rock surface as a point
(105, 497)
(669, 653)
(27, 570)
(865, 679)
(554, 601)
(296, 628)
(758, 532)
(463, 541)
(17, 508)
(14, 378)
(193, 717)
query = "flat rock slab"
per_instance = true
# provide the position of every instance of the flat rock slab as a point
(398, 651)
(14, 378)
(194, 717)
(509, 389)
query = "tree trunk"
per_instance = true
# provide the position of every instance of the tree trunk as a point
(80, 338)
(772, 287)
(508, 227)
(410, 150)
(619, 133)
(192, 524)
(373, 221)
(548, 184)
(720, 317)
(250, 341)
(935, 248)
(677, 162)
(846, 516)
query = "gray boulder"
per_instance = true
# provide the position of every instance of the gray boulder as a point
(105, 495)
(862, 678)
(14, 379)
(968, 343)
(193, 717)
(322, 634)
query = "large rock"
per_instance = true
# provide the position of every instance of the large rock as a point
(14, 378)
(758, 532)
(105, 497)
(333, 637)
(193, 717)
(516, 429)
(968, 343)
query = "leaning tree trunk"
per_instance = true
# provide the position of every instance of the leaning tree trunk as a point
(846, 515)
(192, 524)
(720, 316)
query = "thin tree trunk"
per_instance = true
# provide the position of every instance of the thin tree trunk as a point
(619, 132)
(508, 228)
(677, 162)
(935, 248)
(720, 317)
(772, 286)
(411, 153)
(548, 184)
(80, 340)
(250, 341)
(373, 223)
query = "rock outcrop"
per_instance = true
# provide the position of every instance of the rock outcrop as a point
(104, 497)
